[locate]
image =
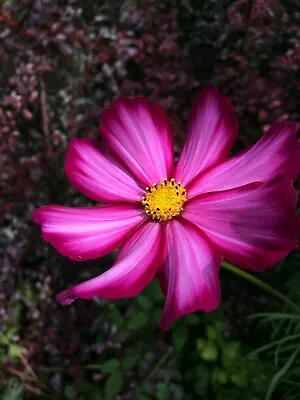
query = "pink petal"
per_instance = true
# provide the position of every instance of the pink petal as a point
(138, 133)
(190, 276)
(87, 233)
(98, 177)
(277, 152)
(254, 226)
(133, 270)
(212, 131)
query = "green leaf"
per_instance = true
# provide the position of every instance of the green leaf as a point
(231, 349)
(202, 379)
(14, 351)
(110, 366)
(7, 336)
(211, 332)
(122, 335)
(220, 376)
(156, 315)
(113, 385)
(229, 394)
(180, 336)
(138, 320)
(163, 391)
(270, 316)
(274, 343)
(96, 395)
(201, 343)
(200, 387)
(147, 389)
(116, 316)
(192, 319)
(202, 371)
(13, 391)
(215, 332)
(149, 356)
(209, 352)
(144, 397)
(145, 302)
(240, 378)
(70, 393)
(154, 291)
(129, 361)
(176, 391)
(281, 373)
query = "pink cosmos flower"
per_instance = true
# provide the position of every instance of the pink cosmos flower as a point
(176, 221)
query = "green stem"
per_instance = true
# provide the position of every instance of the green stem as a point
(262, 285)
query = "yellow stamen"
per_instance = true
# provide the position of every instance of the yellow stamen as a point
(164, 200)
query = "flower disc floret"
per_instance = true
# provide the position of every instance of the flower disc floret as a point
(164, 200)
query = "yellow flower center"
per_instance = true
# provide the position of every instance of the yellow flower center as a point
(164, 200)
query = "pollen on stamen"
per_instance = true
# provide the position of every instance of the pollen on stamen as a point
(164, 200)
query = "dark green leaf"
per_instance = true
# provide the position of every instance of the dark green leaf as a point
(113, 385)
(110, 366)
(180, 336)
(137, 321)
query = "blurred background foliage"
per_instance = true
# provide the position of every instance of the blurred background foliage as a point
(61, 63)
